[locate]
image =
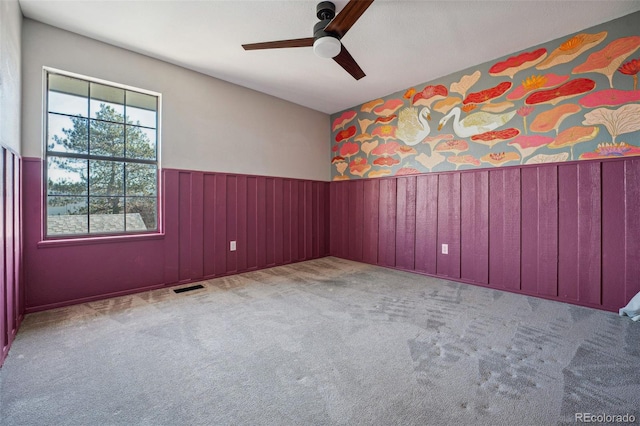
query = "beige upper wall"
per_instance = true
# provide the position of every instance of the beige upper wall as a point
(207, 124)
(10, 39)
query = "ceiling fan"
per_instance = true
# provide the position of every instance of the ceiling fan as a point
(327, 34)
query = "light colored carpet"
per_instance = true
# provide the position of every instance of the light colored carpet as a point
(321, 342)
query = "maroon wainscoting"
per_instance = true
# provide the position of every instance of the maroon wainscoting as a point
(273, 220)
(11, 297)
(567, 232)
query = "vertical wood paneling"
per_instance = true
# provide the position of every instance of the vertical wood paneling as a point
(540, 230)
(406, 222)
(270, 222)
(232, 223)
(504, 228)
(335, 222)
(315, 217)
(261, 220)
(184, 221)
(371, 204)
(308, 219)
(356, 225)
(209, 224)
(568, 241)
(171, 210)
(426, 223)
(220, 230)
(474, 227)
(278, 226)
(613, 235)
(324, 217)
(286, 221)
(632, 221)
(197, 222)
(295, 215)
(589, 228)
(241, 222)
(18, 294)
(343, 208)
(448, 265)
(301, 222)
(252, 222)
(387, 223)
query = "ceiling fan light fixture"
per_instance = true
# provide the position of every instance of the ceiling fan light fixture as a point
(327, 47)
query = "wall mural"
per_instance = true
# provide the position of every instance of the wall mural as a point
(575, 98)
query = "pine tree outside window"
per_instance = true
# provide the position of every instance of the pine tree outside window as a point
(101, 174)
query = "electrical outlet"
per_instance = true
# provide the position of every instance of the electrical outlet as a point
(232, 246)
(445, 249)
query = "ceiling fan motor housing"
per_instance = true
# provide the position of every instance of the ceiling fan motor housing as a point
(325, 10)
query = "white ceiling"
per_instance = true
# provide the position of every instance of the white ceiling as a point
(397, 43)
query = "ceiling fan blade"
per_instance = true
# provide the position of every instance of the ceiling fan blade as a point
(296, 42)
(346, 61)
(347, 17)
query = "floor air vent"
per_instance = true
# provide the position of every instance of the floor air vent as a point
(183, 289)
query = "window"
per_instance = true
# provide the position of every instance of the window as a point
(101, 158)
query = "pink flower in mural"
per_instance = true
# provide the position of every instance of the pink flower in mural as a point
(488, 94)
(388, 107)
(359, 166)
(335, 148)
(607, 60)
(340, 164)
(343, 119)
(379, 173)
(369, 106)
(346, 134)
(349, 149)
(429, 95)
(460, 160)
(608, 150)
(572, 136)
(386, 149)
(386, 161)
(385, 132)
(456, 146)
(610, 97)
(364, 124)
(405, 151)
(524, 112)
(461, 87)
(363, 137)
(386, 120)
(571, 49)
(496, 136)
(404, 171)
(518, 63)
(535, 82)
(337, 159)
(527, 145)
(550, 120)
(567, 90)
(500, 158)
(631, 68)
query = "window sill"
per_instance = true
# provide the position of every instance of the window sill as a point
(84, 241)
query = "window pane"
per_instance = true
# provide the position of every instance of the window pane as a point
(66, 176)
(141, 214)
(141, 109)
(141, 179)
(67, 134)
(107, 103)
(141, 143)
(106, 215)
(68, 95)
(67, 215)
(106, 177)
(106, 139)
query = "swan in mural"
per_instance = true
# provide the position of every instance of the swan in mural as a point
(413, 126)
(475, 123)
